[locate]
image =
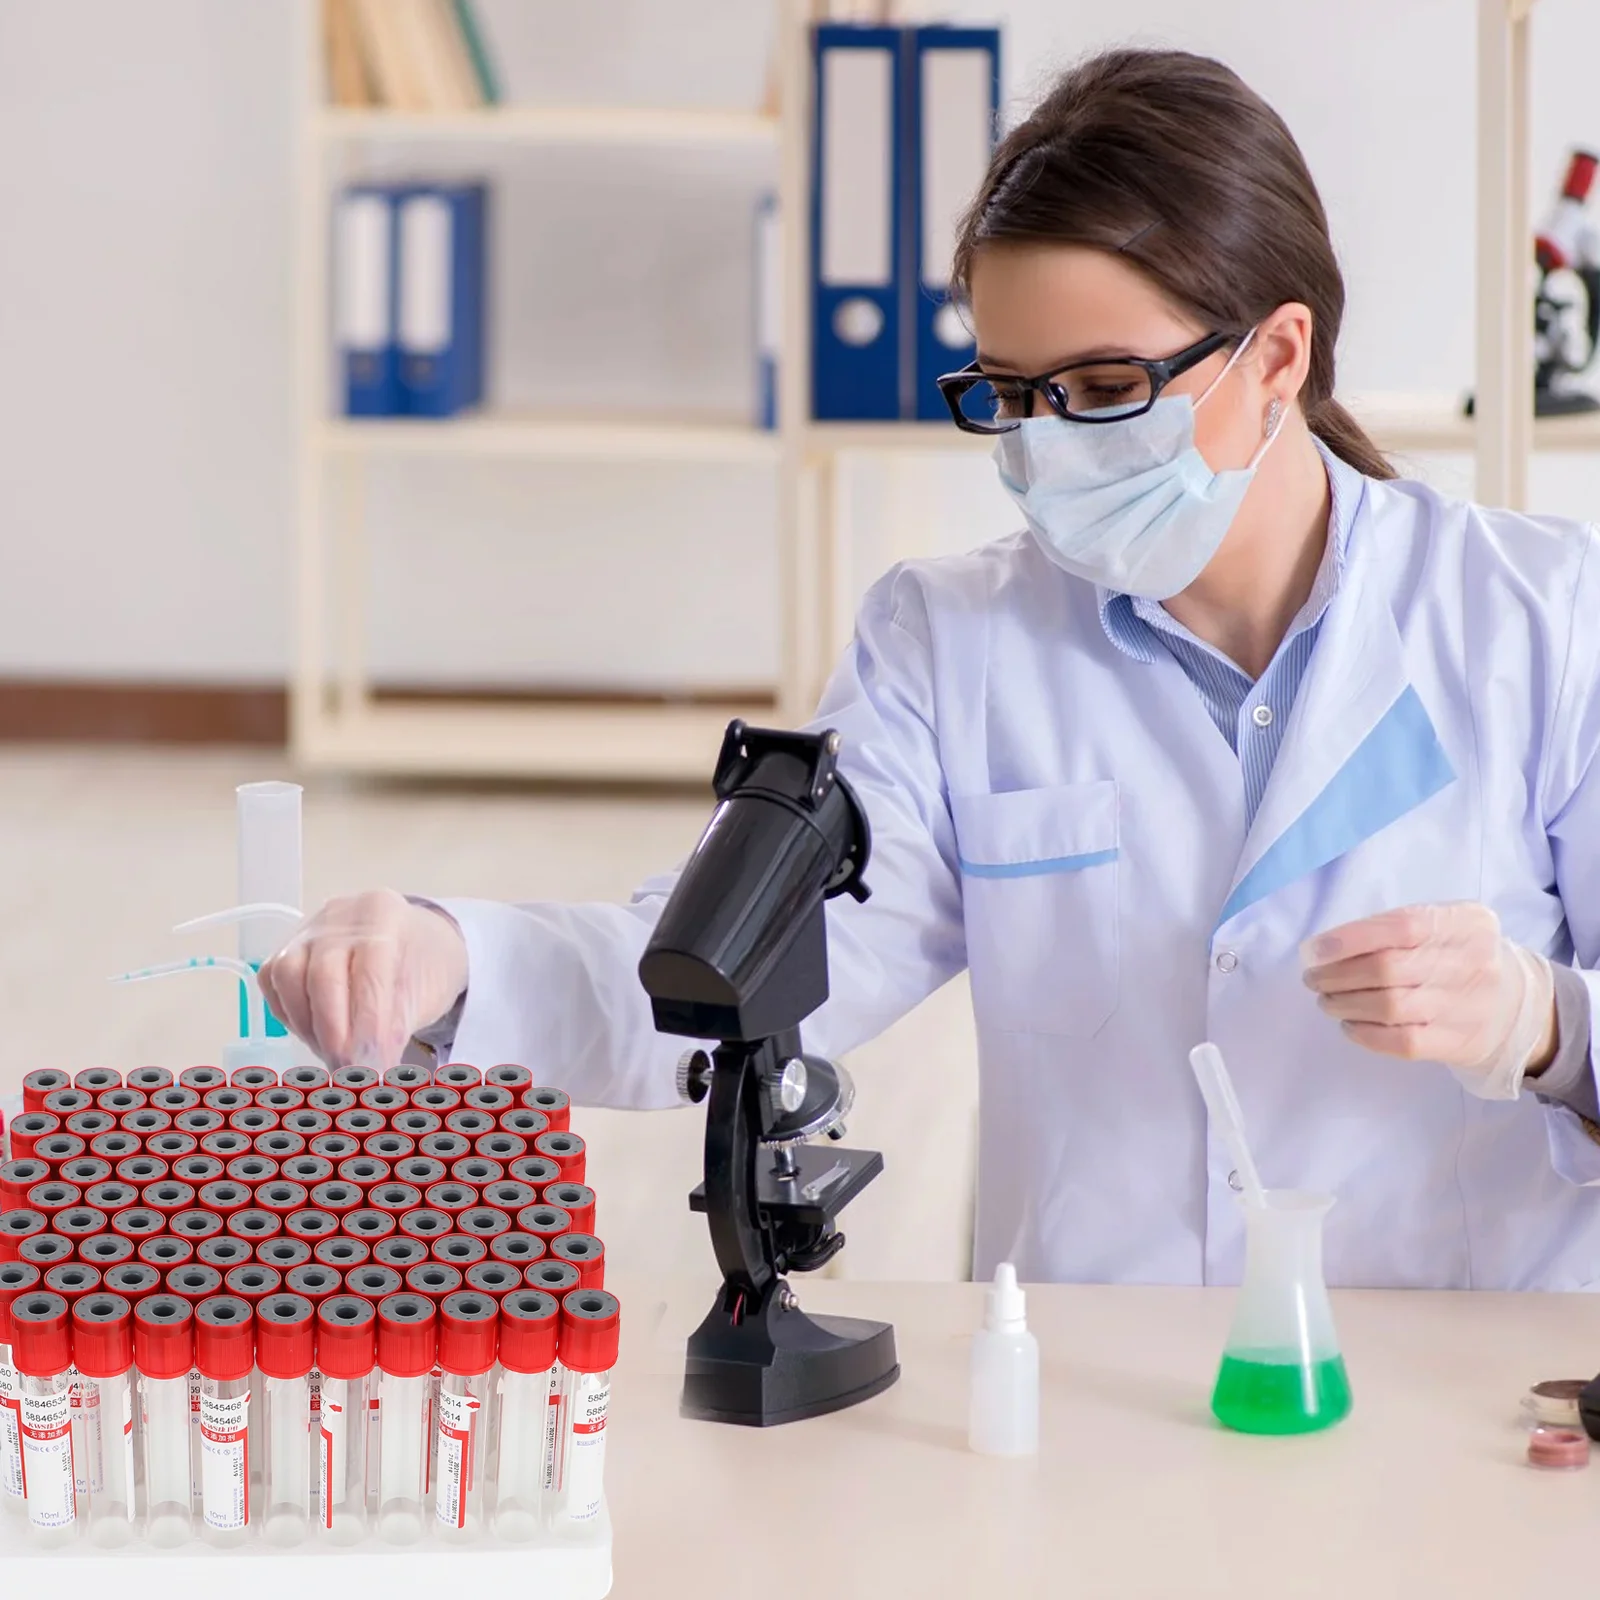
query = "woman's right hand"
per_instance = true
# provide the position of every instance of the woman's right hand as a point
(364, 974)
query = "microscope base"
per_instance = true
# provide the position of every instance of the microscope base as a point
(781, 1366)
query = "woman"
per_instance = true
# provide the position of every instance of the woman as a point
(1242, 739)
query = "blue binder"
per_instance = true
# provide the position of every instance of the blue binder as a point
(768, 309)
(441, 229)
(364, 301)
(858, 369)
(953, 82)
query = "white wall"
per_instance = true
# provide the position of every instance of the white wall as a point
(146, 462)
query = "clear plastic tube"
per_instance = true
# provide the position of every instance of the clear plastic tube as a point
(342, 1460)
(269, 862)
(10, 1437)
(164, 1425)
(106, 1456)
(585, 1404)
(402, 1456)
(225, 1460)
(522, 1445)
(286, 1419)
(47, 1458)
(459, 1435)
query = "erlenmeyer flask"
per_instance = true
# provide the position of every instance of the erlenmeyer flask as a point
(1282, 1371)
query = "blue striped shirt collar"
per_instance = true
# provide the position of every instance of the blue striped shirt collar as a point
(1129, 632)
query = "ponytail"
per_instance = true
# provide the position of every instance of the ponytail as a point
(1347, 439)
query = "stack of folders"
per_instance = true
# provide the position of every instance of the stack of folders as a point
(407, 55)
(409, 289)
(906, 120)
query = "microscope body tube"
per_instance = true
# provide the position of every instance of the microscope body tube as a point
(346, 1352)
(224, 1354)
(16, 1277)
(285, 1343)
(102, 1353)
(468, 1338)
(590, 1323)
(406, 1349)
(42, 1350)
(524, 1418)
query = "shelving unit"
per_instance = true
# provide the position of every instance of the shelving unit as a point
(338, 723)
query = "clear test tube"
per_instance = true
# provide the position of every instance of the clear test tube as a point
(285, 1342)
(16, 1277)
(102, 1352)
(224, 1355)
(42, 1350)
(590, 1324)
(468, 1336)
(406, 1347)
(522, 1413)
(346, 1351)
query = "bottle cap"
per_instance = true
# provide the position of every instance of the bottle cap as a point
(195, 1282)
(501, 1146)
(509, 1075)
(586, 1253)
(81, 1222)
(435, 1279)
(422, 1172)
(314, 1282)
(28, 1129)
(286, 1327)
(576, 1199)
(347, 1329)
(374, 1281)
(554, 1103)
(452, 1198)
(400, 1252)
(196, 1225)
(591, 1322)
(72, 1280)
(530, 1321)
(133, 1280)
(461, 1250)
(224, 1337)
(355, 1078)
(468, 1323)
(395, 1198)
(491, 1097)
(106, 1250)
(544, 1222)
(519, 1249)
(164, 1252)
(311, 1225)
(443, 1147)
(254, 1225)
(253, 1282)
(17, 1178)
(458, 1075)
(554, 1277)
(15, 1226)
(16, 1277)
(408, 1339)
(102, 1335)
(52, 1197)
(368, 1223)
(306, 1079)
(508, 1194)
(37, 1084)
(1006, 1308)
(337, 1198)
(1558, 1447)
(342, 1253)
(484, 1222)
(204, 1079)
(41, 1334)
(224, 1251)
(564, 1148)
(163, 1336)
(150, 1079)
(525, 1124)
(495, 1278)
(283, 1253)
(425, 1224)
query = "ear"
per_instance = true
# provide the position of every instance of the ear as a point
(1282, 348)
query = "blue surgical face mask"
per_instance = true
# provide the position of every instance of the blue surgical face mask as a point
(1130, 505)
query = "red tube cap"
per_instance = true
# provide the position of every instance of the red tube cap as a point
(591, 1322)
(16, 1277)
(72, 1280)
(544, 1222)
(253, 1282)
(15, 1226)
(17, 1178)
(373, 1282)
(254, 1225)
(41, 1334)
(342, 1253)
(459, 1250)
(102, 1335)
(395, 1198)
(196, 1225)
(138, 1222)
(347, 1334)
(566, 1149)
(530, 1321)
(469, 1322)
(314, 1282)
(133, 1280)
(224, 1337)
(484, 1222)
(577, 1200)
(163, 1336)
(554, 1277)
(164, 1253)
(586, 1253)
(311, 1225)
(408, 1338)
(195, 1282)
(555, 1104)
(106, 1250)
(518, 1249)
(425, 1224)
(37, 1084)
(435, 1279)
(80, 1223)
(286, 1327)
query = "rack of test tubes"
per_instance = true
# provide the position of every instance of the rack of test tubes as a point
(303, 1312)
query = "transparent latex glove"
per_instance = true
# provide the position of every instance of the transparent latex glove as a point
(1439, 983)
(356, 980)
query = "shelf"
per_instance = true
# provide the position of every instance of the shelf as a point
(533, 437)
(662, 743)
(596, 125)
(1419, 423)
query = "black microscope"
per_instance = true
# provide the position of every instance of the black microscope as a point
(740, 956)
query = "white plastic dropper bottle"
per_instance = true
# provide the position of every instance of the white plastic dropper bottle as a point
(1004, 1415)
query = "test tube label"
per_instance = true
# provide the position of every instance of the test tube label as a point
(127, 1445)
(196, 1483)
(10, 1427)
(552, 1430)
(47, 1471)
(87, 1451)
(330, 1456)
(225, 1460)
(457, 1418)
(584, 1468)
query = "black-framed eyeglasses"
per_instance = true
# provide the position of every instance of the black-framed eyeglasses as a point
(1084, 391)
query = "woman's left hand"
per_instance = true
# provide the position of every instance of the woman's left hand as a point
(1439, 983)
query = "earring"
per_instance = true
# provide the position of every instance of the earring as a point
(1274, 416)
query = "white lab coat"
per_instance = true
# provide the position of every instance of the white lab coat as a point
(1067, 822)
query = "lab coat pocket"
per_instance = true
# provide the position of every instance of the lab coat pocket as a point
(1039, 890)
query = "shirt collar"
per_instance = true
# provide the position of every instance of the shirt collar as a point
(1119, 613)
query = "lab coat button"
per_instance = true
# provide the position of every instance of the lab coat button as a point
(1262, 716)
(1227, 961)
(1234, 1182)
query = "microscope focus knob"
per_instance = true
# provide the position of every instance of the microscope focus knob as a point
(694, 1076)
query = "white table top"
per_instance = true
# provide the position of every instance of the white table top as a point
(1422, 1491)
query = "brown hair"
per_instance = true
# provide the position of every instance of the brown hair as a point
(1171, 161)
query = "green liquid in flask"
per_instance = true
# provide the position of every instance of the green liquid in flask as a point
(1267, 1392)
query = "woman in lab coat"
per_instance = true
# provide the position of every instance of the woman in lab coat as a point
(1241, 739)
